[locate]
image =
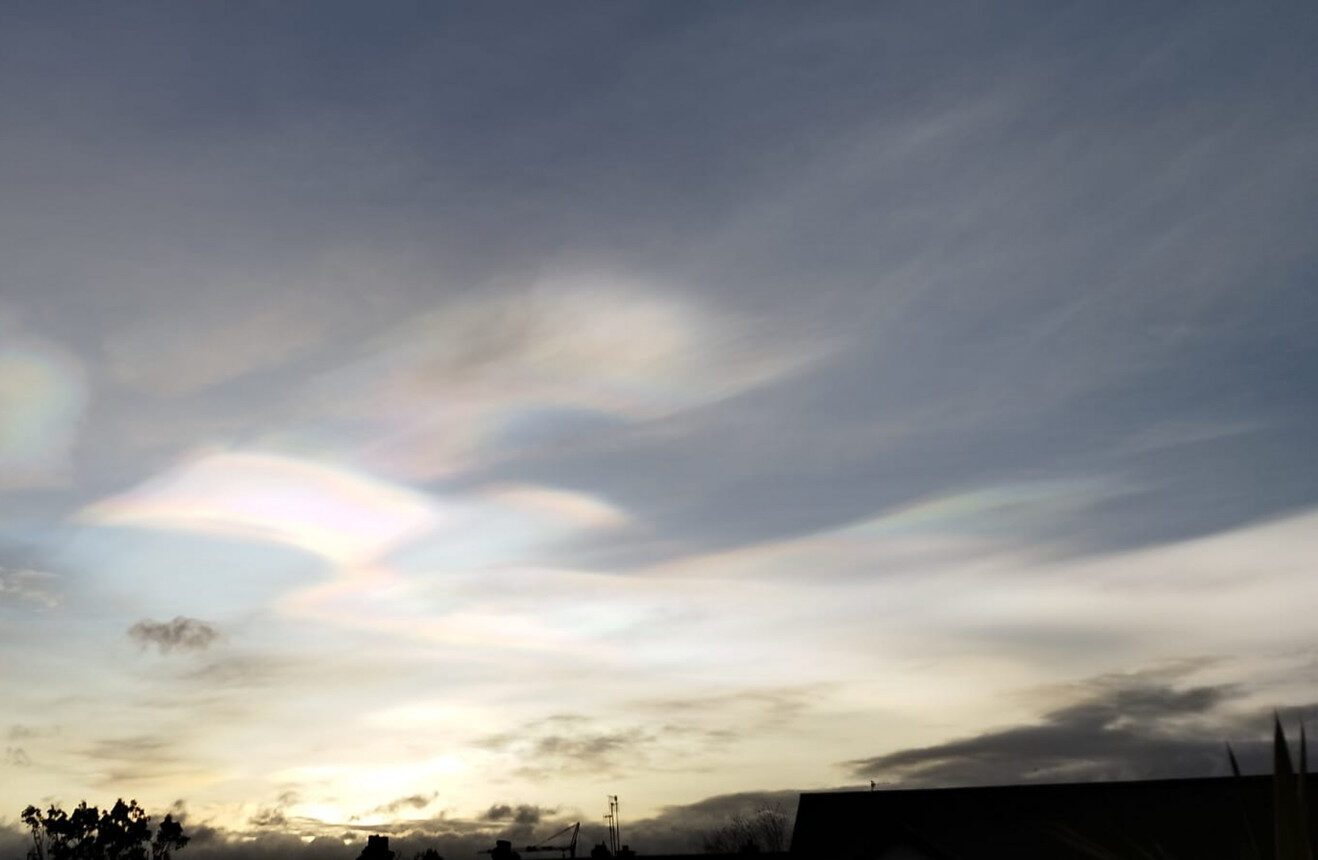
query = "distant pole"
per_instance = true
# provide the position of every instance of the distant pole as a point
(871, 785)
(612, 819)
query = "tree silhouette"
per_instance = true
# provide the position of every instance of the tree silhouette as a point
(765, 829)
(122, 832)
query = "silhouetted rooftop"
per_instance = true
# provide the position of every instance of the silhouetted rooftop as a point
(1177, 818)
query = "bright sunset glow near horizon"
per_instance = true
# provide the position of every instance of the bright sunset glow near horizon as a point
(432, 418)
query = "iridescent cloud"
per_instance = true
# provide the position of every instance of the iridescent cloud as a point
(477, 380)
(42, 397)
(337, 514)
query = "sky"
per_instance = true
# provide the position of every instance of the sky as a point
(431, 418)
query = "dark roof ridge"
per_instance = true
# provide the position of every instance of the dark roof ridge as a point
(1182, 780)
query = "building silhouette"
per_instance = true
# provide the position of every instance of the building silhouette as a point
(1215, 818)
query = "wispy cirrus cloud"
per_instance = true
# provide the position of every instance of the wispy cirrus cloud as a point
(575, 354)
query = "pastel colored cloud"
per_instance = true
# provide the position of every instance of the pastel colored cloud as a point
(337, 514)
(482, 379)
(42, 398)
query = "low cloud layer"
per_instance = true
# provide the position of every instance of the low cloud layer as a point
(1136, 726)
(269, 817)
(521, 814)
(180, 634)
(271, 833)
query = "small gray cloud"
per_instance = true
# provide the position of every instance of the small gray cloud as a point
(752, 710)
(520, 814)
(570, 743)
(275, 816)
(28, 586)
(182, 634)
(17, 757)
(20, 732)
(199, 832)
(559, 745)
(412, 801)
(1135, 726)
(588, 748)
(129, 748)
(271, 816)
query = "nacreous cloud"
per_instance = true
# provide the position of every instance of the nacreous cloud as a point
(483, 379)
(333, 513)
(42, 397)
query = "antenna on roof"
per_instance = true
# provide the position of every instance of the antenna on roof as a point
(611, 818)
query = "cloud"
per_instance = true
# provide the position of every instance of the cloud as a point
(43, 394)
(130, 748)
(542, 749)
(480, 380)
(242, 672)
(1001, 324)
(337, 514)
(31, 586)
(748, 710)
(17, 757)
(565, 506)
(181, 634)
(1131, 726)
(566, 744)
(521, 814)
(412, 801)
(14, 842)
(676, 829)
(269, 817)
(158, 760)
(586, 750)
(183, 354)
(680, 828)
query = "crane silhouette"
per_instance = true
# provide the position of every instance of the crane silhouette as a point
(569, 849)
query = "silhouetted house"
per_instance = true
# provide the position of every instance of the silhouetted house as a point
(503, 850)
(377, 848)
(1202, 819)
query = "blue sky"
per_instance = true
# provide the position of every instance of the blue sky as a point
(521, 403)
